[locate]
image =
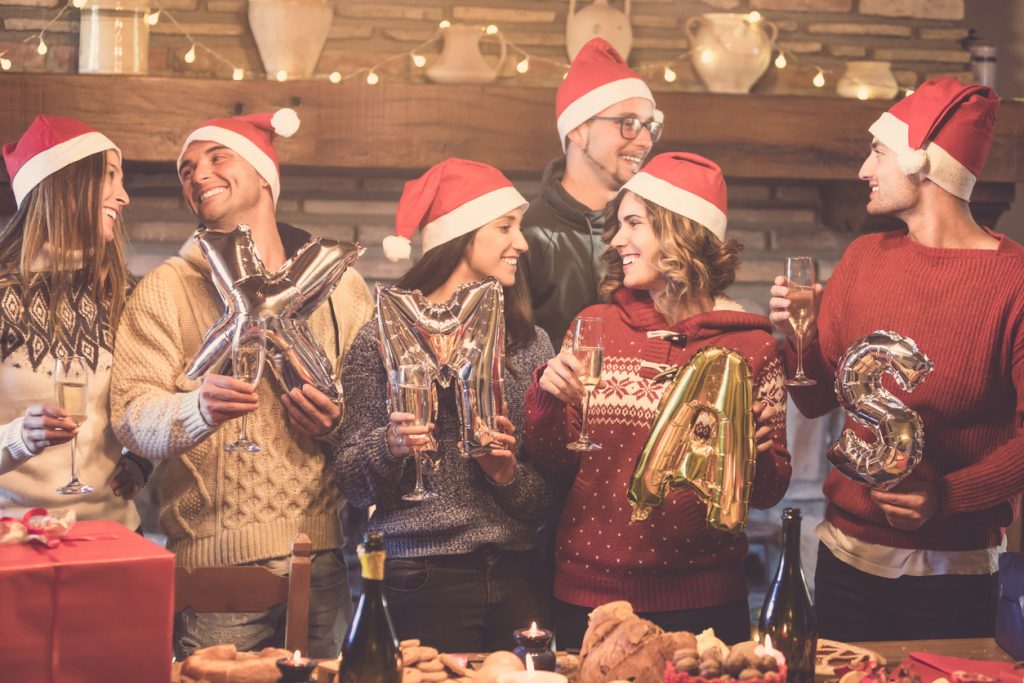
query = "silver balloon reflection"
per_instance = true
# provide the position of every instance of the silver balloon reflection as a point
(898, 431)
(463, 340)
(284, 299)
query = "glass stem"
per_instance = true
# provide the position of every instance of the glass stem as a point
(585, 430)
(243, 434)
(419, 473)
(799, 355)
(74, 458)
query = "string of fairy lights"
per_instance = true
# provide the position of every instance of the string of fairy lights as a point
(372, 74)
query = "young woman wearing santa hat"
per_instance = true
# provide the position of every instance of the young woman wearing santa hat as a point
(668, 266)
(63, 284)
(461, 569)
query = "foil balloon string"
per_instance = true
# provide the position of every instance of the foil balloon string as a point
(461, 340)
(702, 438)
(898, 431)
(284, 299)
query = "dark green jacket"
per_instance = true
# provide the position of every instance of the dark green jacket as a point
(563, 266)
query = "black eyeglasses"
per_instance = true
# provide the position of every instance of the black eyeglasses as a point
(629, 126)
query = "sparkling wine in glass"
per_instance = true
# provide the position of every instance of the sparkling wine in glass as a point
(800, 280)
(71, 384)
(588, 347)
(415, 396)
(248, 353)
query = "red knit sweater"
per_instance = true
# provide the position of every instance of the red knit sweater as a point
(672, 561)
(965, 310)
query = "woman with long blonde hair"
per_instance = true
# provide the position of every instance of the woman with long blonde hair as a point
(669, 265)
(63, 283)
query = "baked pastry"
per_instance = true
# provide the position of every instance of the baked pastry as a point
(225, 664)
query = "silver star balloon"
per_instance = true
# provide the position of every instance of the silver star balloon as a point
(461, 340)
(284, 299)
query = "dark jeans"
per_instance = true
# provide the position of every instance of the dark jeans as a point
(730, 621)
(852, 605)
(465, 603)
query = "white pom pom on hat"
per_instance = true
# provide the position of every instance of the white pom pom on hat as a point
(285, 122)
(397, 248)
(913, 161)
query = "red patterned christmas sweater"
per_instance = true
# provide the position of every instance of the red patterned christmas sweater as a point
(672, 561)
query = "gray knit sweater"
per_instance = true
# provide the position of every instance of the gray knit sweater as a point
(470, 511)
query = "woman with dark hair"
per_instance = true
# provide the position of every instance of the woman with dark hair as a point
(668, 266)
(461, 570)
(63, 284)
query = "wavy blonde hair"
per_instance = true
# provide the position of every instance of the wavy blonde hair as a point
(693, 261)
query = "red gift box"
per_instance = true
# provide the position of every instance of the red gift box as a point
(97, 608)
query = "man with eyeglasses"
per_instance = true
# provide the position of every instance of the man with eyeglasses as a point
(607, 124)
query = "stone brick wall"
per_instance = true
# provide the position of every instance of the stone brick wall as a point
(920, 37)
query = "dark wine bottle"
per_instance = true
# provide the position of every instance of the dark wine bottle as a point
(788, 615)
(370, 652)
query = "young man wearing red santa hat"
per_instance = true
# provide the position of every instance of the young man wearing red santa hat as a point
(607, 125)
(920, 561)
(233, 508)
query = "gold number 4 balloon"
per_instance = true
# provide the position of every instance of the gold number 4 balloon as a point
(702, 438)
(898, 432)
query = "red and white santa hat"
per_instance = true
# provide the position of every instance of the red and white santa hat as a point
(598, 78)
(451, 199)
(252, 137)
(50, 144)
(687, 184)
(942, 130)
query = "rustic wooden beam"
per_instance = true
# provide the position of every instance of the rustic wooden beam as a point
(411, 126)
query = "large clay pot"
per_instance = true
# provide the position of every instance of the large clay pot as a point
(865, 80)
(598, 20)
(730, 51)
(113, 37)
(460, 60)
(290, 34)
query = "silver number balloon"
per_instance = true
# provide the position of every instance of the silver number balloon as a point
(898, 431)
(284, 299)
(463, 339)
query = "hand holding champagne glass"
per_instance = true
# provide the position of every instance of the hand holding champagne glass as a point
(588, 348)
(248, 353)
(415, 396)
(800, 280)
(71, 383)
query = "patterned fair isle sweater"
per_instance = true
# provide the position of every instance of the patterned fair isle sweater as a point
(672, 561)
(965, 310)
(28, 352)
(216, 507)
(470, 510)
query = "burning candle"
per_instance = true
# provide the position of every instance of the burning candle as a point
(767, 649)
(533, 645)
(295, 668)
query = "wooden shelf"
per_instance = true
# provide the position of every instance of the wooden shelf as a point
(411, 126)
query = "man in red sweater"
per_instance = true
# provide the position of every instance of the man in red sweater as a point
(920, 561)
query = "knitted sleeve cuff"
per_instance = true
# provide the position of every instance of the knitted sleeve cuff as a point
(13, 445)
(195, 425)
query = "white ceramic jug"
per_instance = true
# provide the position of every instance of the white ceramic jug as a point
(598, 20)
(461, 61)
(867, 80)
(730, 51)
(290, 34)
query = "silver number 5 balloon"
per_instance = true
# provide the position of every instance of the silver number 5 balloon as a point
(898, 431)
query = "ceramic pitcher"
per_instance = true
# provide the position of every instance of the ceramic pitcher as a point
(460, 60)
(290, 34)
(730, 51)
(598, 20)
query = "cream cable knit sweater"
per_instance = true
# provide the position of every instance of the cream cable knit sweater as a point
(220, 508)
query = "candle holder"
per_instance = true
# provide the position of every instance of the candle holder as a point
(295, 670)
(535, 644)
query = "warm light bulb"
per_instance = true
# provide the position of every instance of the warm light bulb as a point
(418, 60)
(190, 56)
(754, 17)
(523, 66)
(335, 77)
(153, 18)
(5, 64)
(862, 92)
(281, 75)
(237, 74)
(41, 48)
(780, 61)
(564, 74)
(670, 75)
(707, 55)
(819, 79)
(372, 78)
(910, 91)
(444, 24)
(491, 29)
(79, 4)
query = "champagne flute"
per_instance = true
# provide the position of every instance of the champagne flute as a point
(71, 382)
(415, 396)
(248, 353)
(800, 280)
(588, 347)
